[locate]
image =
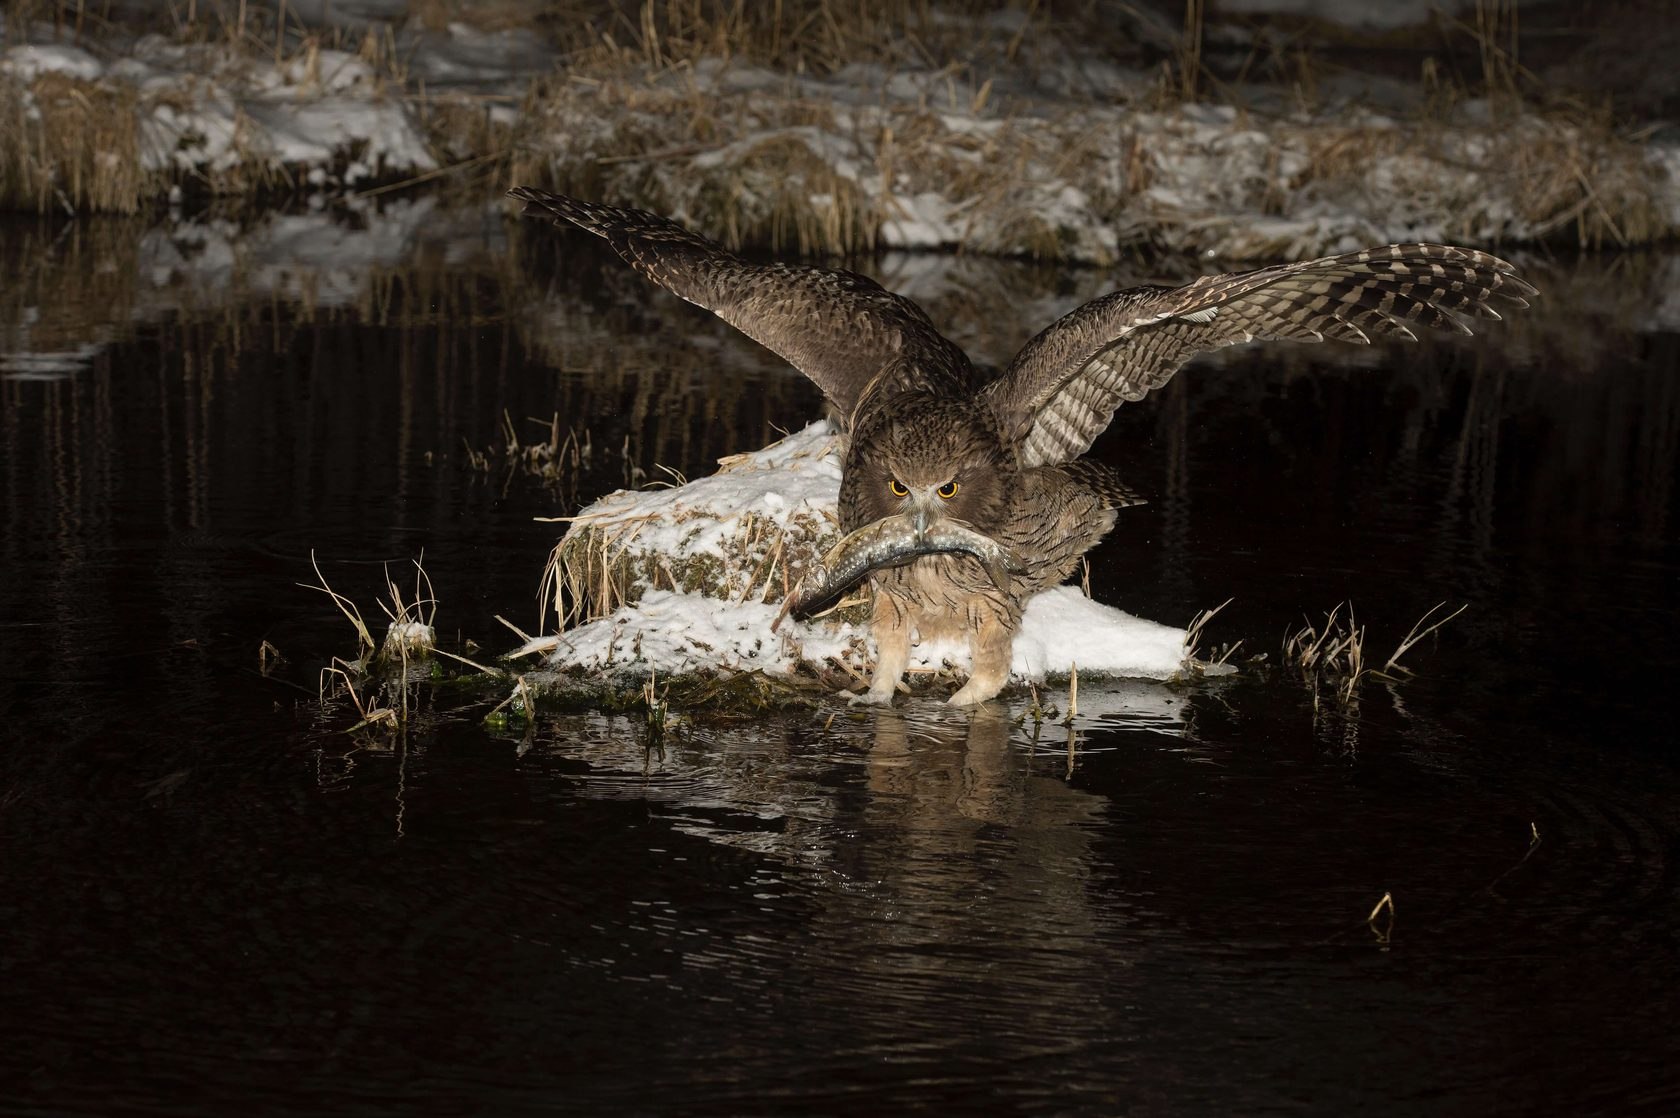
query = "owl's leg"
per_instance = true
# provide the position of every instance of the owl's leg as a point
(890, 625)
(992, 647)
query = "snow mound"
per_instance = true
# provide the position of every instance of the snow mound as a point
(692, 578)
(738, 536)
(796, 477)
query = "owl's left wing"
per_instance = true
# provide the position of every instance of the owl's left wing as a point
(837, 327)
(1062, 389)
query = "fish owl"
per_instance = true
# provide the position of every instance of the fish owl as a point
(933, 442)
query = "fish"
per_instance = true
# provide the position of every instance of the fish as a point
(891, 542)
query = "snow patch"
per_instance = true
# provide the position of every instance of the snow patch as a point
(26, 63)
(1063, 630)
(798, 474)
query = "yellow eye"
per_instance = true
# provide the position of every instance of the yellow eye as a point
(948, 490)
(897, 489)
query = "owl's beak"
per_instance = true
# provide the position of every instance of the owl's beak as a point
(926, 510)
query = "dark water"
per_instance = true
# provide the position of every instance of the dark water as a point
(212, 898)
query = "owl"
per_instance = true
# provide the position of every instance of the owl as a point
(930, 439)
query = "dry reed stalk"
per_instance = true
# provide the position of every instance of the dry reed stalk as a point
(364, 639)
(1384, 909)
(1418, 632)
(372, 713)
(1190, 51)
(1193, 632)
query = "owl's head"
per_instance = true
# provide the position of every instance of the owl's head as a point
(923, 453)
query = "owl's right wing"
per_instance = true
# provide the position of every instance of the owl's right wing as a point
(1062, 389)
(836, 327)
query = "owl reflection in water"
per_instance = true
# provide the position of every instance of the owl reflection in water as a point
(931, 441)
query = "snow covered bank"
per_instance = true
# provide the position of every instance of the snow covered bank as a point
(810, 163)
(115, 134)
(692, 579)
(1071, 155)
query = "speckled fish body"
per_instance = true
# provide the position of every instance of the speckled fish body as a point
(890, 542)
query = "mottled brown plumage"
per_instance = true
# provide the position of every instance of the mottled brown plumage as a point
(927, 437)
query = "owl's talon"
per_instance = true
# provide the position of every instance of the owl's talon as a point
(872, 698)
(971, 696)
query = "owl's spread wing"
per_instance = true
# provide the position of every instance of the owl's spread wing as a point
(836, 327)
(1062, 389)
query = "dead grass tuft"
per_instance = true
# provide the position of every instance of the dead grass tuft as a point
(1331, 654)
(1578, 173)
(598, 567)
(1195, 660)
(384, 669)
(71, 145)
(557, 461)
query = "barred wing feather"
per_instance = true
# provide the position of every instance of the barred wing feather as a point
(1062, 389)
(836, 327)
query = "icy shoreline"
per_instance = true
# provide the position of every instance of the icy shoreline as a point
(862, 158)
